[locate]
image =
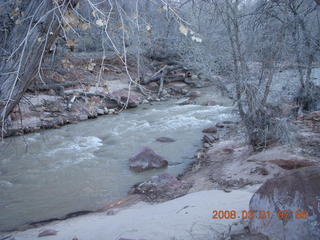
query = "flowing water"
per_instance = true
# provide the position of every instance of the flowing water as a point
(84, 166)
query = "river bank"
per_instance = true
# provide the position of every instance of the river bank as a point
(78, 162)
(223, 176)
(188, 217)
(88, 161)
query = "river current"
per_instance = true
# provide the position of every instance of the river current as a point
(84, 166)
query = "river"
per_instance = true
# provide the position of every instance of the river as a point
(85, 166)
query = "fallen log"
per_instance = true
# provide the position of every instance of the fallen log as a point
(161, 73)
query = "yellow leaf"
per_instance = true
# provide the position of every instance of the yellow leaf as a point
(85, 26)
(163, 8)
(120, 26)
(15, 12)
(184, 30)
(71, 19)
(71, 43)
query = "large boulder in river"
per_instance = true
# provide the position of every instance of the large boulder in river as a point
(161, 188)
(146, 159)
(293, 201)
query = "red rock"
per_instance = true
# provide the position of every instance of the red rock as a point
(299, 194)
(228, 150)
(211, 103)
(210, 130)
(162, 187)
(292, 164)
(146, 159)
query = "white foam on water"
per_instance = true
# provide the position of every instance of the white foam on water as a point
(173, 118)
(5, 184)
(80, 148)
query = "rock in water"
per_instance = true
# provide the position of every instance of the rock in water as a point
(48, 232)
(293, 201)
(210, 130)
(146, 159)
(194, 94)
(210, 103)
(165, 139)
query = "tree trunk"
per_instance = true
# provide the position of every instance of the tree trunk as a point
(25, 45)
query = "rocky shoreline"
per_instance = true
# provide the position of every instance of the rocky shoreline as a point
(78, 88)
(224, 163)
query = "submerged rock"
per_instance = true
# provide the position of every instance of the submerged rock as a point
(146, 159)
(219, 125)
(210, 103)
(165, 139)
(293, 203)
(194, 94)
(186, 102)
(226, 124)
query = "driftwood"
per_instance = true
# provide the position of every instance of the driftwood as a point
(161, 73)
(106, 97)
